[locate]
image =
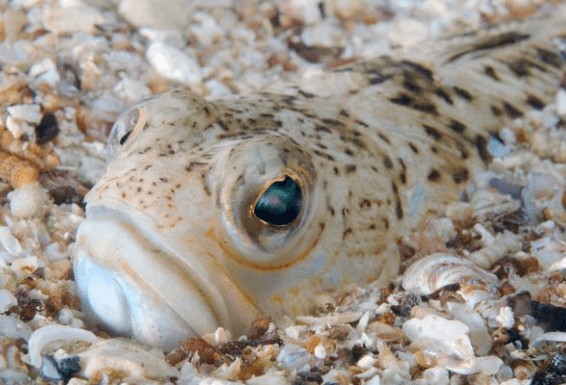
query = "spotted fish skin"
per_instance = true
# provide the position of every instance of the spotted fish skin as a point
(171, 247)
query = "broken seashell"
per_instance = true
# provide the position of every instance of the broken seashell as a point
(436, 271)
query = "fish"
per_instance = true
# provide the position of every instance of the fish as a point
(212, 212)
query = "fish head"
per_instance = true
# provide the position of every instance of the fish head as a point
(199, 222)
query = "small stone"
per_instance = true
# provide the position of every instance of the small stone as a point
(174, 64)
(157, 13)
(27, 112)
(27, 200)
(9, 242)
(44, 72)
(24, 267)
(7, 300)
(561, 102)
(443, 342)
(505, 318)
(71, 18)
(293, 356)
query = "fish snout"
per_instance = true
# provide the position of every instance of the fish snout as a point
(130, 287)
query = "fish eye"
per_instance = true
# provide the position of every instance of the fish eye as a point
(131, 122)
(280, 204)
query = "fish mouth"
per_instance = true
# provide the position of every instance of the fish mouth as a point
(133, 284)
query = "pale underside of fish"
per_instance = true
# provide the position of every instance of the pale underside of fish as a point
(213, 212)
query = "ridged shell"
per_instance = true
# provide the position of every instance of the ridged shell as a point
(436, 271)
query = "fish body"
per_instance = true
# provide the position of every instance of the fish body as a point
(212, 212)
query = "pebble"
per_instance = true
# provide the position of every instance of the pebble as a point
(71, 17)
(434, 376)
(268, 379)
(125, 357)
(293, 356)
(174, 64)
(7, 300)
(9, 242)
(443, 342)
(27, 200)
(172, 14)
(12, 327)
(24, 267)
(561, 102)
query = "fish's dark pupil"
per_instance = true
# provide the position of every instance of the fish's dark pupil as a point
(280, 204)
(124, 138)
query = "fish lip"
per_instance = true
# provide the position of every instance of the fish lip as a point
(140, 289)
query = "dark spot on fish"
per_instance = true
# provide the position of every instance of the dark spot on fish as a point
(496, 111)
(511, 111)
(349, 168)
(418, 68)
(462, 93)
(433, 175)
(441, 93)
(305, 94)
(535, 102)
(163, 179)
(387, 162)
(192, 165)
(384, 138)
(456, 126)
(549, 57)
(413, 148)
(432, 132)
(331, 210)
(411, 86)
(320, 128)
(461, 175)
(398, 208)
(332, 122)
(402, 100)
(407, 101)
(374, 80)
(490, 71)
(481, 146)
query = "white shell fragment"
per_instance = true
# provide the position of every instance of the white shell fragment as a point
(7, 300)
(9, 242)
(125, 357)
(27, 200)
(46, 335)
(443, 342)
(174, 64)
(436, 271)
